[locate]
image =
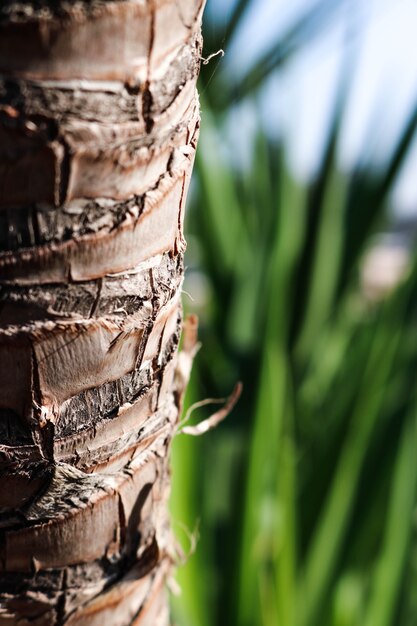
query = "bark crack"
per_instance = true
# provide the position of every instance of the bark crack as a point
(97, 298)
(147, 98)
(42, 428)
(64, 174)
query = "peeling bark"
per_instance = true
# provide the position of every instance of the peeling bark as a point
(99, 122)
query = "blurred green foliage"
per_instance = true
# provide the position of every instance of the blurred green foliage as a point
(306, 495)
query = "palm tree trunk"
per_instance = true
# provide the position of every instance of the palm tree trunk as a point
(98, 127)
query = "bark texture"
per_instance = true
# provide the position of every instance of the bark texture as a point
(98, 127)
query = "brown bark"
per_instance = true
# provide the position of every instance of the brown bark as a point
(98, 127)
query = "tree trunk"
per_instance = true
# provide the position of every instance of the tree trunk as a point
(98, 127)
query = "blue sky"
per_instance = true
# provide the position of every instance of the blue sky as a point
(381, 36)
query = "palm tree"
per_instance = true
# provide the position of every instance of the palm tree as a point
(98, 127)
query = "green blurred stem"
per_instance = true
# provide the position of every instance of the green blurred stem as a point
(390, 567)
(332, 525)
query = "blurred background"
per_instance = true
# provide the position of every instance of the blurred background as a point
(301, 267)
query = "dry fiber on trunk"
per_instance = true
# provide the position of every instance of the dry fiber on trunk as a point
(98, 127)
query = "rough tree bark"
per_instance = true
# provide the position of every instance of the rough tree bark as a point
(98, 127)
